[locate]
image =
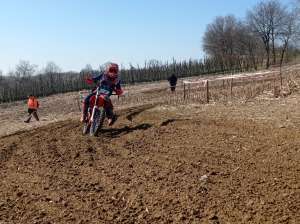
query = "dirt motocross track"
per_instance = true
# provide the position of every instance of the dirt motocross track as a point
(234, 163)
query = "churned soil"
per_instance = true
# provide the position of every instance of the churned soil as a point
(215, 163)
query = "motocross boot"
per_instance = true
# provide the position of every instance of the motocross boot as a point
(110, 115)
(83, 117)
(112, 120)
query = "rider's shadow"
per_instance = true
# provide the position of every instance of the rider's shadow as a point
(116, 132)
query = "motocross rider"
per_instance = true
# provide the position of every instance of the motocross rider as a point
(108, 82)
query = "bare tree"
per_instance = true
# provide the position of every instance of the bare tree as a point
(219, 39)
(25, 69)
(287, 32)
(297, 16)
(88, 68)
(250, 45)
(51, 67)
(265, 19)
(277, 14)
(229, 41)
(11, 73)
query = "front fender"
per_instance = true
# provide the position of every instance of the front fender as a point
(100, 102)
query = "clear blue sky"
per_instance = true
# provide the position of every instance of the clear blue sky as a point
(73, 33)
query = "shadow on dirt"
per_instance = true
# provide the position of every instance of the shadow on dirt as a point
(169, 121)
(7, 153)
(165, 123)
(116, 132)
(138, 111)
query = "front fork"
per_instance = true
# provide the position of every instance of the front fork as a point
(94, 108)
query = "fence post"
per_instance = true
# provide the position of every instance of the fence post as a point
(280, 73)
(281, 80)
(79, 99)
(207, 92)
(231, 86)
(184, 90)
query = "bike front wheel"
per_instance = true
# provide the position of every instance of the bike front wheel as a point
(97, 122)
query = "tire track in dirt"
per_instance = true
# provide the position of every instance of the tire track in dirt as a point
(156, 167)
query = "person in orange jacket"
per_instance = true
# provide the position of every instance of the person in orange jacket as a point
(33, 105)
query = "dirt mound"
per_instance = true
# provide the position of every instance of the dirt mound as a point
(156, 165)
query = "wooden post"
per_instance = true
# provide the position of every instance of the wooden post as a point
(252, 87)
(184, 91)
(207, 92)
(276, 89)
(281, 80)
(280, 73)
(79, 99)
(231, 86)
(78, 103)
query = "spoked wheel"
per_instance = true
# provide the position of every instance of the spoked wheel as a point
(97, 123)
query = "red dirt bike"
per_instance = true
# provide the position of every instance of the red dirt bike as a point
(96, 114)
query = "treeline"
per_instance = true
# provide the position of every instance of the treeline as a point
(18, 85)
(14, 88)
(155, 70)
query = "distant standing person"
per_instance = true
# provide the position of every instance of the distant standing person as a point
(33, 105)
(173, 81)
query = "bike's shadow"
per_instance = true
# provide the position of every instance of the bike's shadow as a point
(117, 132)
